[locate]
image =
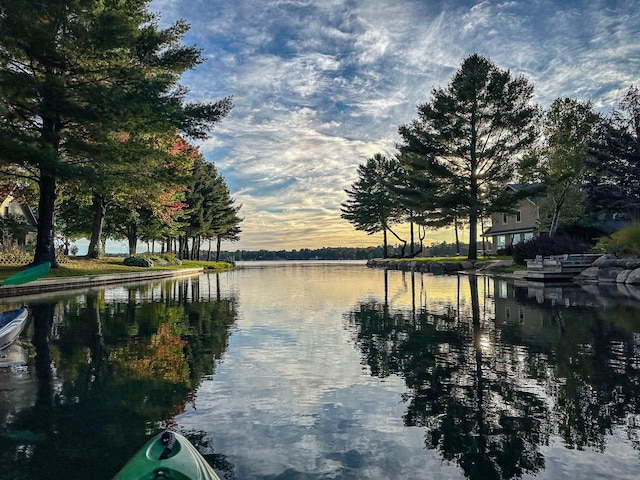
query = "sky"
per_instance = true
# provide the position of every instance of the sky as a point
(320, 86)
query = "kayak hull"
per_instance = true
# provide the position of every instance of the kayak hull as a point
(28, 274)
(182, 462)
(12, 322)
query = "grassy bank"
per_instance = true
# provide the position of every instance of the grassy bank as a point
(79, 266)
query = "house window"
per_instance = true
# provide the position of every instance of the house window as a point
(6, 211)
(528, 236)
(502, 289)
(505, 218)
(518, 218)
(501, 241)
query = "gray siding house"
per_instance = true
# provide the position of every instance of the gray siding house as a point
(512, 228)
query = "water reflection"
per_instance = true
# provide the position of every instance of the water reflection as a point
(490, 391)
(328, 371)
(106, 374)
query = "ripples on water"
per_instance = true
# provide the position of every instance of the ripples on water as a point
(317, 370)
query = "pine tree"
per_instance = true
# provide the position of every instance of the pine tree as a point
(468, 139)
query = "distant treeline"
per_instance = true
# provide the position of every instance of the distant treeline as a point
(338, 253)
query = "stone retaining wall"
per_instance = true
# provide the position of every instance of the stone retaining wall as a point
(610, 269)
(54, 284)
(437, 268)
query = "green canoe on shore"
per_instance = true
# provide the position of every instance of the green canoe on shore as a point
(169, 456)
(28, 274)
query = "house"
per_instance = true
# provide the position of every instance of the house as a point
(512, 228)
(11, 206)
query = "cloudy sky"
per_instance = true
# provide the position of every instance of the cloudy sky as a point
(319, 86)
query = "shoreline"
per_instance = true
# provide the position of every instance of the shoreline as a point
(438, 267)
(48, 285)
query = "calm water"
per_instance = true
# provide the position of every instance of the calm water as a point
(328, 371)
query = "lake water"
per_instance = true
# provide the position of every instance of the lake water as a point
(326, 370)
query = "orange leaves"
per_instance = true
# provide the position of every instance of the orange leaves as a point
(163, 358)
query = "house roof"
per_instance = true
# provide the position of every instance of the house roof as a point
(490, 232)
(27, 213)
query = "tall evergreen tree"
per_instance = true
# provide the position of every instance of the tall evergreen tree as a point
(210, 212)
(614, 176)
(371, 207)
(80, 76)
(469, 137)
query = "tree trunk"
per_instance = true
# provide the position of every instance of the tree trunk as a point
(412, 241)
(455, 228)
(218, 245)
(132, 237)
(385, 248)
(404, 243)
(473, 235)
(100, 207)
(45, 248)
(555, 217)
(209, 251)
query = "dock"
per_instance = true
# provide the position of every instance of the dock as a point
(558, 268)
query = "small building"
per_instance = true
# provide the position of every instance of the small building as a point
(11, 206)
(512, 228)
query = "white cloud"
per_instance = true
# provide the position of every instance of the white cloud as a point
(319, 86)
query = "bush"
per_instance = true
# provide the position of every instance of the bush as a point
(138, 261)
(623, 243)
(157, 260)
(546, 245)
(171, 258)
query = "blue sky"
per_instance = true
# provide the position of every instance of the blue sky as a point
(319, 86)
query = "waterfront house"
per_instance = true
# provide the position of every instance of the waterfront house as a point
(11, 206)
(511, 228)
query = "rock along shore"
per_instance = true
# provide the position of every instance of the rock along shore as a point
(435, 267)
(610, 269)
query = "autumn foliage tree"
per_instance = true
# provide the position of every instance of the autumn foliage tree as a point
(79, 76)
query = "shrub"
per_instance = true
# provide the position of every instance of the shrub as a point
(157, 260)
(138, 261)
(546, 245)
(623, 243)
(169, 256)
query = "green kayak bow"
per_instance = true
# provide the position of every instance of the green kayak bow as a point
(168, 456)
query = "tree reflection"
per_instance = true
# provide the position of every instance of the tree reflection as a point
(110, 373)
(473, 409)
(490, 392)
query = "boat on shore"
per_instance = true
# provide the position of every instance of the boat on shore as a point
(12, 322)
(170, 456)
(27, 275)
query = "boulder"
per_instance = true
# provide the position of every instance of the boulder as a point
(436, 268)
(451, 266)
(588, 274)
(631, 263)
(608, 274)
(622, 276)
(634, 277)
(606, 260)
